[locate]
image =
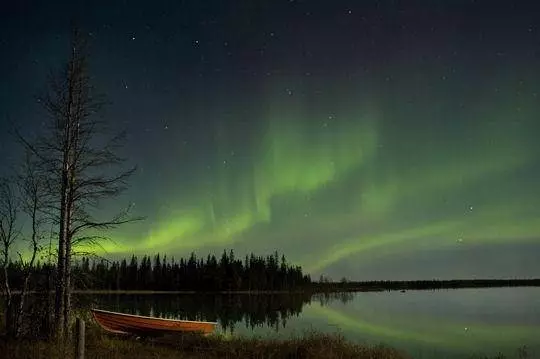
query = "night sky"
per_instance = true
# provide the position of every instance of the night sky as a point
(365, 139)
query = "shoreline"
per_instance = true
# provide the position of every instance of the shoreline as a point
(334, 287)
(309, 344)
(101, 345)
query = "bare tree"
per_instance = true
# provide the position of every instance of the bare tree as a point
(33, 198)
(9, 233)
(80, 165)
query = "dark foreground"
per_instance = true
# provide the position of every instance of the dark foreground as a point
(101, 345)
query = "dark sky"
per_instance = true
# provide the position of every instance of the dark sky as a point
(366, 139)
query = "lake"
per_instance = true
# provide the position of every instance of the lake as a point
(450, 323)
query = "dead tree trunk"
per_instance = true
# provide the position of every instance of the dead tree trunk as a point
(32, 198)
(78, 168)
(60, 305)
(9, 208)
(8, 309)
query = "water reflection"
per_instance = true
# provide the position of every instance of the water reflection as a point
(442, 323)
(325, 299)
(251, 310)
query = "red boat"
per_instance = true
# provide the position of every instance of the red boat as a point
(121, 323)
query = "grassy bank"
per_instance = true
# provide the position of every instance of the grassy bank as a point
(101, 345)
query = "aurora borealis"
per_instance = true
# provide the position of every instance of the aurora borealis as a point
(367, 140)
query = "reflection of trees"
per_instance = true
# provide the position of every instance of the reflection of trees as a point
(325, 298)
(254, 310)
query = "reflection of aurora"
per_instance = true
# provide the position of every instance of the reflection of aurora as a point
(417, 330)
(349, 185)
(456, 335)
(445, 321)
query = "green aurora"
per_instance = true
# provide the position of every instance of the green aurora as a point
(353, 183)
(371, 140)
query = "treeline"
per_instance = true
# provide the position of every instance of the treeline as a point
(160, 273)
(344, 285)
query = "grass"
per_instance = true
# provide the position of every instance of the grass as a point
(102, 345)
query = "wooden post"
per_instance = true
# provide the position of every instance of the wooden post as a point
(80, 338)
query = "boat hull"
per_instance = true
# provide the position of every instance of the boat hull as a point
(121, 323)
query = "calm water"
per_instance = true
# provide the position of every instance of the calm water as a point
(443, 323)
